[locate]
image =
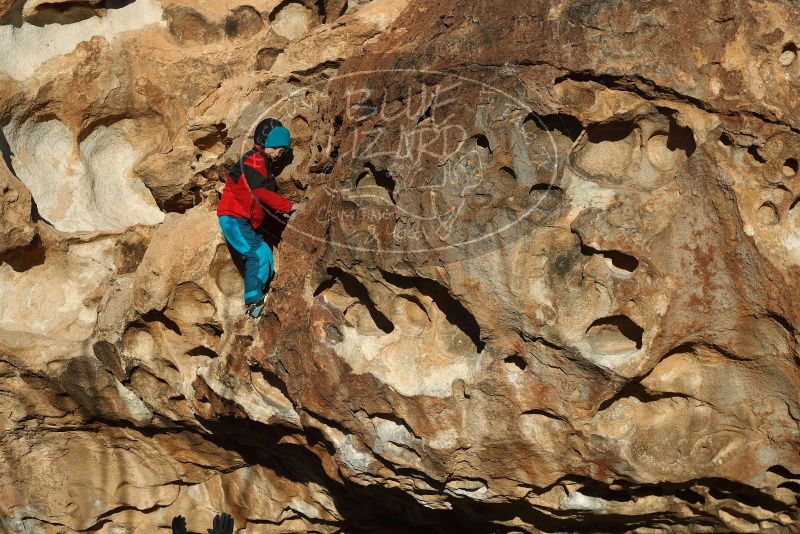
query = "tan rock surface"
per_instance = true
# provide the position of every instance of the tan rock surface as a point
(15, 212)
(545, 279)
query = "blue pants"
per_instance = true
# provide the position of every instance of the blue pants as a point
(258, 264)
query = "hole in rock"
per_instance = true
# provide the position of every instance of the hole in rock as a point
(566, 124)
(783, 321)
(725, 140)
(782, 471)
(680, 138)
(482, 141)
(66, 13)
(354, 289)
(668, 149)
(753, 151)
(619, 261)
(543, 413)
(768, 214)
(426, 114)
(454, 311)
(794, 486)
(324, 286)
(793, 211)
(545, 187)
(515, 363)
(322, 9)
(546, 197)
(788, 54)
(334, 156)
(690, 496)
(180, 202)
(610, 132)
(378, 177)
(557, 122)
(635, 390)
(606, 493)
(24, 258)
(212, 329)
(202, 351)
(508, 171)
(718, 495)
(5, 150)
(617, 334)
(72, 12)
(721, 489)
(115, 4)
(790, 167)
(156, 316)
(266, 58)
(606, 151)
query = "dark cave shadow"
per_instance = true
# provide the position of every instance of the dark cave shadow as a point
(378, 509)
(373, 509)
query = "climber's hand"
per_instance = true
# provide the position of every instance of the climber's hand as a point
(179, 525)
(223, 524)
(297, 206)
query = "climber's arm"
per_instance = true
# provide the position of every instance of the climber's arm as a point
(255, 173)
(273, 200)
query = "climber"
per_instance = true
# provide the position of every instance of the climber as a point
(251, 183)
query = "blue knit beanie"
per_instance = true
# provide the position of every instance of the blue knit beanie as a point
(278, 137)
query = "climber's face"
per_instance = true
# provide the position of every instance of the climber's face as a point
(275, 153)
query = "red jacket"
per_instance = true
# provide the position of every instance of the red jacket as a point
(243, 198)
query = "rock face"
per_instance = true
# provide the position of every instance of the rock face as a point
(544, 278)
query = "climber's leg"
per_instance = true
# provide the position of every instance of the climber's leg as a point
(265, 263)
(257, 261)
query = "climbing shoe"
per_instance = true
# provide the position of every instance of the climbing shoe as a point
(254, 309)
